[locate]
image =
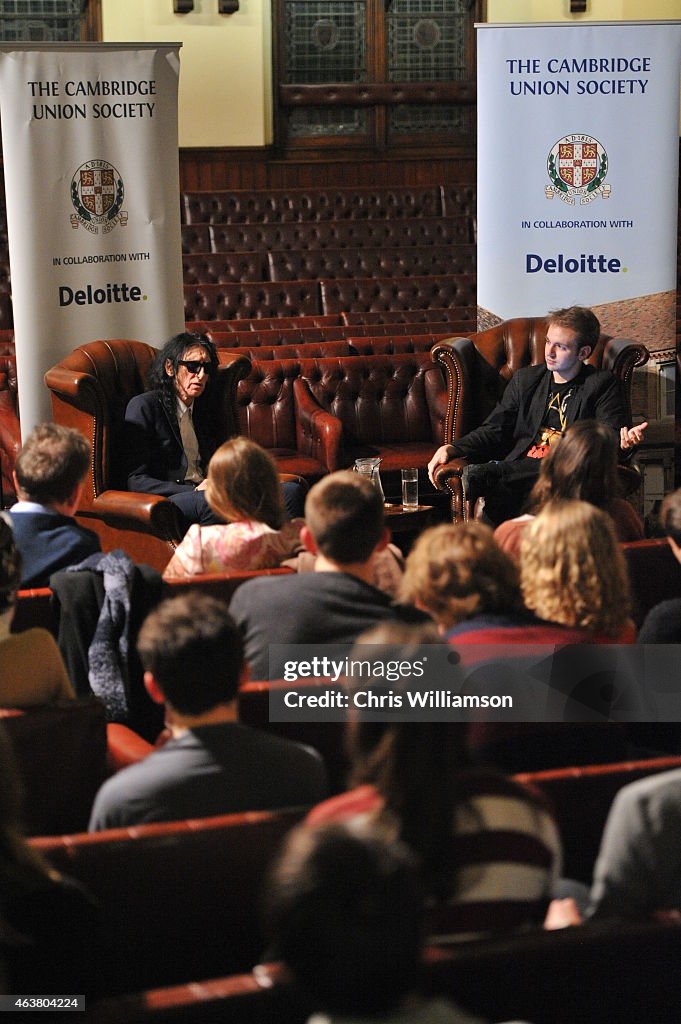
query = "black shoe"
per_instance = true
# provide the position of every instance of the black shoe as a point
(478, 479)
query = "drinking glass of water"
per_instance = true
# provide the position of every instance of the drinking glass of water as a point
(410, 487)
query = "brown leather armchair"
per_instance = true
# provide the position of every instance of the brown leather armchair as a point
(479, 367)
(90, 391)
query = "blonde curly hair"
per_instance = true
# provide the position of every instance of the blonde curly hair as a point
(457, 570)
(572, 570)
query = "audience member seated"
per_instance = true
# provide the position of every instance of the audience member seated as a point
(581, 467)
(32, 671)
(638, 869)
(345, 528)
(49, 476)
(171, 429)
(662, 624)
(193, 660)
(243, 490)
(488, 850)
(49, 925)
(572, 572)
(535, 409)
(345, 911)
(457, 573)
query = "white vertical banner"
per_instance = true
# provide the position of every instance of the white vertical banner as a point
(578, 149)
(90, 148)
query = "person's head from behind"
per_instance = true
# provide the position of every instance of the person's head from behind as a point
(345, 521)
(415, 765)
(670, 520)
(185, 366)
(52, 465)
(582, 466)
(345, 909)
(192, 654)
(243, 484)
(456, 571)
(10, 566)
(572, 570)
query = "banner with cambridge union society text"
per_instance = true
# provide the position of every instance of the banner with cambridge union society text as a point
(578, 147)
(89, 138)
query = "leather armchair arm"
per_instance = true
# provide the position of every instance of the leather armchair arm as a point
(448, 479)
(458, 358)
(320, 434)
(131, 510)
(70, 383)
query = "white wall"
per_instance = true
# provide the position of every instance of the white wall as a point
(225, 80)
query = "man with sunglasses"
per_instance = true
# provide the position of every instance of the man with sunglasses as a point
(172, 430)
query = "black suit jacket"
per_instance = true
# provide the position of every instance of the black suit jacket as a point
(511, 427)
(154, 453)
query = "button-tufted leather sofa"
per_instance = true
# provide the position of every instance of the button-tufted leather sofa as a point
(245, 300)
(319, 415)
(396, 293)
(313, 204)
(402, 261)
(333, 234)
(441, 314)
(196, 238)
(390, 406)
(479, 367)
(219, 268)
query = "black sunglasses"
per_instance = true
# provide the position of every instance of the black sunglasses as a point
(195, 365)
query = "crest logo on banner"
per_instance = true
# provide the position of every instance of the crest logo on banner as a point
(97, 195)
(577, 166)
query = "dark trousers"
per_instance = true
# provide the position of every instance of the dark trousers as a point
(507, 495)
(194, 508)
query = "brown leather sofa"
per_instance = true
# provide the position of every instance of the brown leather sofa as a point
(219, 268)
(310, 204)
(444, 314)
(276, 336)
(317, 415)
(245, 300)
(334, 341)
(459, 200)
(396, 293)
(339, 234)
(478, 368)
(404, 261)
(90, 391)
(390, 406)
(260, 350)
(196, 238)
(265, 323)
(266, 412)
